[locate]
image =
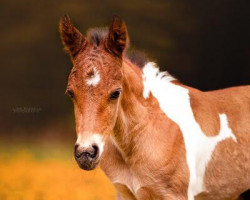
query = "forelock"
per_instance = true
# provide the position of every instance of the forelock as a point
(96, 36)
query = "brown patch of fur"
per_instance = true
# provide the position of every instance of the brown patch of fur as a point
(228, 172)
(205, 112)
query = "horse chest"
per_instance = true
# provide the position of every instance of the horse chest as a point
(131, 186)
(118, 171)
(127, 182)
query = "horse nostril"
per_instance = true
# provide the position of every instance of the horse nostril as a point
(76, 146)
(78, 153)
(95, 151)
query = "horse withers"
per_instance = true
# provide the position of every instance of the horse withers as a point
(154, 137)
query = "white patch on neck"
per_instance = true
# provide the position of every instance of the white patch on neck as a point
(174, 100)
(94, 79)
(152, 77)
(93, 139)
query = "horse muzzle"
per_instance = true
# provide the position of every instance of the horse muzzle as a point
(87, 158)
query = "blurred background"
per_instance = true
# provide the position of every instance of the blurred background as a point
(205, 44)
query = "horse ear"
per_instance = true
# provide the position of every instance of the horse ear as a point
(117, 39)
(72, 39)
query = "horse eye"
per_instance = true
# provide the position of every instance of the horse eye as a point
(70, 93)
(115, 94)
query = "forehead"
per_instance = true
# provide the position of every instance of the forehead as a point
(95, 65)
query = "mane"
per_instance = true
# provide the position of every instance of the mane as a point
(96, 36)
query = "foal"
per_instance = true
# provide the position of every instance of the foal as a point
(154, 137)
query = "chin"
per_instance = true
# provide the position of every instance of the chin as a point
(89, 166)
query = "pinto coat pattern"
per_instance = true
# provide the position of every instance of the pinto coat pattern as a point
(154, 137)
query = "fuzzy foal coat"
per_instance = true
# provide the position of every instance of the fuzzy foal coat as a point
(154, 166)
(164, 140)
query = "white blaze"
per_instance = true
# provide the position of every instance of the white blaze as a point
(175, 102)
(94, 79)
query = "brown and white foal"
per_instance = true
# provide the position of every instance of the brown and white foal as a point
(154, 137)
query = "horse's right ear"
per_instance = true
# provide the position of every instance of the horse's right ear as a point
(72, 39)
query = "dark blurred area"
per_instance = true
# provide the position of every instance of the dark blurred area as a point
(205, 44)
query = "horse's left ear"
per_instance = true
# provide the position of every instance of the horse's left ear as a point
(117, 40)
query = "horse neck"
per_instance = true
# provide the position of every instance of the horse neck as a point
(132, 113)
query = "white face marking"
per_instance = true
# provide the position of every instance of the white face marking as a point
(93, 139)
(175, 102)
(94, 79)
